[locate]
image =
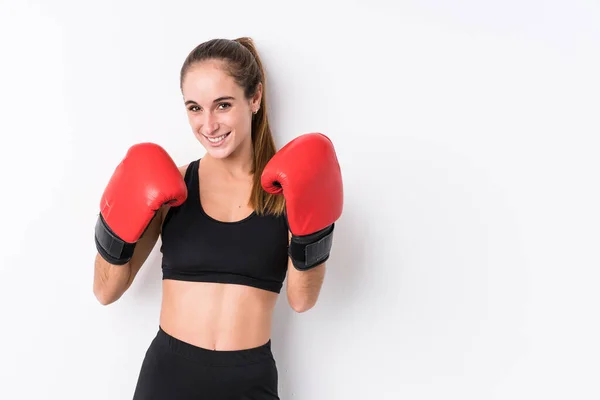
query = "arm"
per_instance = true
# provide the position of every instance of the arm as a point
(111, 281)
(131, 214)
(308, 175)
(304, 287)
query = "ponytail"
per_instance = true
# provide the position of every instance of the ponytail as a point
(262, 142)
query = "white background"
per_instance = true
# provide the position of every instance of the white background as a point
(465, 265)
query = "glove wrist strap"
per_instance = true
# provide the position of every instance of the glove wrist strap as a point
(311, 250)
(112, 248)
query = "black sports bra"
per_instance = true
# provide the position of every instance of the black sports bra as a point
(196, 247)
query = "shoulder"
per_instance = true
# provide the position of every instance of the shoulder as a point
(165, 208)
(183, 169)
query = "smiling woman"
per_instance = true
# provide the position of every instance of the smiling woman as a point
(224, 224)
(223, 86)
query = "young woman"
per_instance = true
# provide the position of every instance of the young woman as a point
(233, 224)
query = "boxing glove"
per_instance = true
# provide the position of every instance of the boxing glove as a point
(144, 180)
(306, 171)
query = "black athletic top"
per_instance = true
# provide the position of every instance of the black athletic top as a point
(196, 247)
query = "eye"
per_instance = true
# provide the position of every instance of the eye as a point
(193, 108)
(224, 106)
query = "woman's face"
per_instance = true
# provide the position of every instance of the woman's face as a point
(218, 112)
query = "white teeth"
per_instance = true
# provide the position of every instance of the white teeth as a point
(217, 139)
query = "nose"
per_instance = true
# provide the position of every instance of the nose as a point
(209, 124)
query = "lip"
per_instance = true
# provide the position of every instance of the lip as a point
(216, 136)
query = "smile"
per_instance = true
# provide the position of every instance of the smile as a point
(218, 138)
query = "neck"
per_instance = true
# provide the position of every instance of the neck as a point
(238, 164)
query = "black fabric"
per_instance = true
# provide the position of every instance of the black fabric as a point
(196, 247)
(111, 247)
(309, 251)
(176, 370)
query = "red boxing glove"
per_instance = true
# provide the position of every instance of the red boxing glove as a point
(146, 179)
(307, 172)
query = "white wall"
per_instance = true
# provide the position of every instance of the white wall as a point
(465, 265)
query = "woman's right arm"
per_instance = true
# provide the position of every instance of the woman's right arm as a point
(111, 281)
(146, 180)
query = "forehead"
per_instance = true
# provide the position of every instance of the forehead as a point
(207, 81)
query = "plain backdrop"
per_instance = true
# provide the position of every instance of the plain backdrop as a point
(466, 263)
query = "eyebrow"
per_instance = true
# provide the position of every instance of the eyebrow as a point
(214, 101)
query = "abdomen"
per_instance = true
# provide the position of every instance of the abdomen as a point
(217, 316)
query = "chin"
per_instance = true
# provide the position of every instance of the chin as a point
(219, 153)
(221, 150)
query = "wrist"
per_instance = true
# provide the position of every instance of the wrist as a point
(111, 247)
(308, 251)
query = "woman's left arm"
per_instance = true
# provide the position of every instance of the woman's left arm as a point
(304, 287)
(307, 173)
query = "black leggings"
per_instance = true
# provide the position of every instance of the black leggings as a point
(173, 369)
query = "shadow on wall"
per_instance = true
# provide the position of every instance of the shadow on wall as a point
(345, 271)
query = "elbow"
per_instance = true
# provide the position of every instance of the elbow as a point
(104, 297)
(301, 305)
(301, 309)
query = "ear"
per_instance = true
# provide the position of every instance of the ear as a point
(256, 99)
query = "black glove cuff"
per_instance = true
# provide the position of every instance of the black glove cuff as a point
(309, 251)
(112, 248)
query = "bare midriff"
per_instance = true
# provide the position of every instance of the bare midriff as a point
(217, 316)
